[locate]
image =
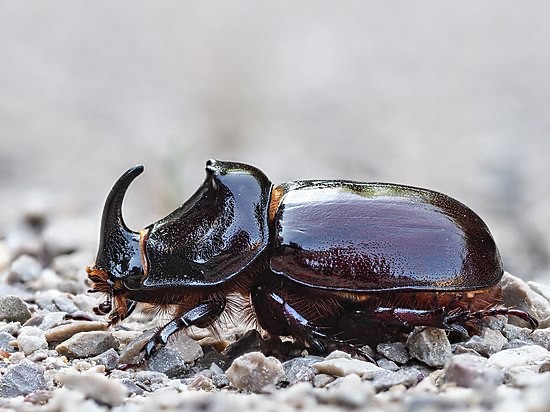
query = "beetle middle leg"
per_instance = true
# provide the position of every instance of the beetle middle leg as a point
(202, 316)
(278, 315)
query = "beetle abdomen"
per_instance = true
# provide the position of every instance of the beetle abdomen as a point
(365, 237)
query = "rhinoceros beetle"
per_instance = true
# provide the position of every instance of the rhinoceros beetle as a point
(332, 263)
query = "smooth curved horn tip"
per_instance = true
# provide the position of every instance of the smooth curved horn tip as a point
(136, 170)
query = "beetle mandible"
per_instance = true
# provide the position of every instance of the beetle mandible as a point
(332, 263)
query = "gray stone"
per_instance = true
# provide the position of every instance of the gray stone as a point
(95, 386)
(150, 377)
(220, 380)
(170, 362)
(541, 289)
(55, 300)
(385, 379)
(471, 371)
(516, 343)
(109, 359)
(515, 332)
(131, 353)
(24, 269)
(387, 364)
(13, 309)
(517, 294)
(132, 388)
(489, 341)
(5, 339)
(87, 344)
(22, 378)
(46, 320)
(188, 348)
(395, 351)
(541, 337)
(11, 327)
(429, 345)
(348, 392)
(300, 369)
(322, 379)
(201, 382)
(253, 371)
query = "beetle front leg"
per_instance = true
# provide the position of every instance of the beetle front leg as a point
(202, 316)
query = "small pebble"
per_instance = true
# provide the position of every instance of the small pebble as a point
(220, 380)
(5, 339)
(395, 351)
(200, 382)
(344, 367)
(65, 400)
(517, 294)
(188, 348)
(22, 378)
(300, 369)
(110, 359)
(31, 339)
(253, 371)
(541, 337)
(383, 380)
(63, 332)
(429, 345)
(322, 379)
(531, 357)
(471, 371)
(95, 386)
(348, 392)
(13, 309)
(86, 344)
(168, 361)
(489, 341)
(24, 269)
(541, 289)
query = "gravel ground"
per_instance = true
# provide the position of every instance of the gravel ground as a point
(56, 355)
(452, 97)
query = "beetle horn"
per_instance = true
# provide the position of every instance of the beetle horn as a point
(118, 251)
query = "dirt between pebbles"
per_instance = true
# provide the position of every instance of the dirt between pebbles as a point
(56, 355)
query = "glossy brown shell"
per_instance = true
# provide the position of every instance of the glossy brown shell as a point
(213, 236)
(371, 237)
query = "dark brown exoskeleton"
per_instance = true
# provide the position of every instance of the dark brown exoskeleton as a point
(333, 264)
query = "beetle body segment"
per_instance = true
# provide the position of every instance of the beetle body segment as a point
(371, 237)
(331, 263)
(213, 236)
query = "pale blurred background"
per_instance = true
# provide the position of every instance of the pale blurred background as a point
(453, 96)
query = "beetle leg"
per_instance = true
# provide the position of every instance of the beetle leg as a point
(409, 318)
(202, 316)
(279, 317)
(465, 316)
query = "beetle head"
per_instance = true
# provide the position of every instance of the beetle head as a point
(118, 259)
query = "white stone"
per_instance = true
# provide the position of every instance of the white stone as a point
(532, 356)
(31, 339)
(344, 367)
